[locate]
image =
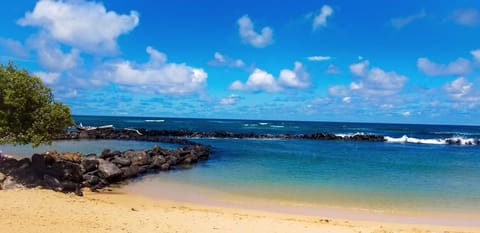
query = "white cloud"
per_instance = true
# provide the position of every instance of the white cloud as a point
(51, 57)
(296, 78)
(81, 24)
(248, 34)
(375, 81)
(460, 66)
(332, 69)
(14, 47)
(230, 100)
(359, 69)
(156, 76)
(347, 99)
(466, 17)
(462, 90)
(222, 60)
(476, 54)
(319, 58)
(406, 113)
(320, 20)
(260, 80)
(401, 22)
(47, 77)
(338, 90)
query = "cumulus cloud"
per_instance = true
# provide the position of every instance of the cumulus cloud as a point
(47, 77)
(401, 22)
(250, 36)
(81, 24)
(332, 69)
(319, 58)
(222, 60)
(156, 76)
(460, 66)
(229, 100)
(462, 90)
(51, 57)
(466, 17)
(375, 81)
(296, 78)
(320, 20)
(359, 69)
(476, 54)
(15, 47)
(260, 80)
(338, 90)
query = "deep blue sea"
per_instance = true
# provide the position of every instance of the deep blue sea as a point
(413, 170)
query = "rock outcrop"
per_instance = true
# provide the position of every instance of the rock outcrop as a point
(69, 172)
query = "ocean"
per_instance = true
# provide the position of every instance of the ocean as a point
(415, 170)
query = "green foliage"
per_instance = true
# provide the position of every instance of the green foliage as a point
(28, 112)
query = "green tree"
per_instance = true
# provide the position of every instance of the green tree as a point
(28, 112)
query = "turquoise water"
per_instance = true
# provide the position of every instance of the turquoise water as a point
(421, 174)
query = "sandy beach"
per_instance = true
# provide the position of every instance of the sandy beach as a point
(37, 210)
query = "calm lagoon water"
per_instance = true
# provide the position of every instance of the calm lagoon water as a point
(420, 174)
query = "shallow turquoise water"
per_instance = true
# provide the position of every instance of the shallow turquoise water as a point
(365, 175)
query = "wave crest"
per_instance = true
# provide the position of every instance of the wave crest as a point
(437, 141)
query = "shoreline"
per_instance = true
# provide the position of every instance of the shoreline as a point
(197, 195)
(39, 210)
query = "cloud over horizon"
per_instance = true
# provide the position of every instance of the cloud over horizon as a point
(260, 80)
(156, 76)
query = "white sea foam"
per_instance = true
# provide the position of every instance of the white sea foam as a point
(344, 135)
(438, 141)
(263, 123)
(155, 121)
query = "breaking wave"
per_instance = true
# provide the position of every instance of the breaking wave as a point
(438, 141)
(154, 121)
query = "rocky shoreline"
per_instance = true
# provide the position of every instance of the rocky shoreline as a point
(70, 172)
(181, 136)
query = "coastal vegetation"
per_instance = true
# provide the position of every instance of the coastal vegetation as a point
(28, 111)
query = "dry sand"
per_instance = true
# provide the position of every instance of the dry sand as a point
(36, 210)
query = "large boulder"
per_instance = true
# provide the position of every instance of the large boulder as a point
(90, 163)
(129, 172)
(52, 183)
(108, 170)
(41, 162)
(138, 157)
(65, 170)
(121, 161)
(90, 180)
(157, 161)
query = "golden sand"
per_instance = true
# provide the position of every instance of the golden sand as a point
(37, 210)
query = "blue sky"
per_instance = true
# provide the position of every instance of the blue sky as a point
(360, 61)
